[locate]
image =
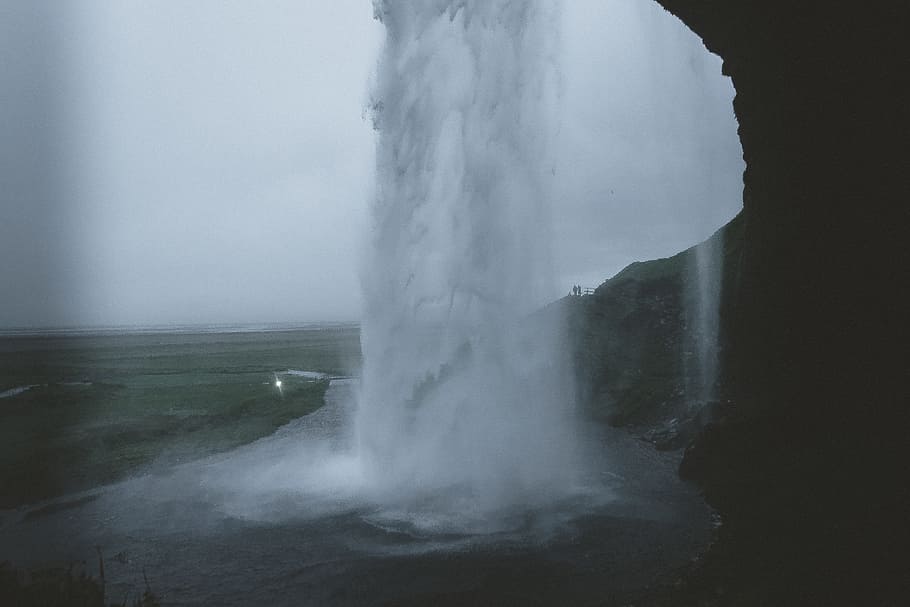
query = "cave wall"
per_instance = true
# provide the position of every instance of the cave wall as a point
(822, 124)
(805, 465)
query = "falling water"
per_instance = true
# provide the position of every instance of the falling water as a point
(462, 390)
(703, 309)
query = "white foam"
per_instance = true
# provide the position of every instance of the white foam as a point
(307, 374)
(17, 390)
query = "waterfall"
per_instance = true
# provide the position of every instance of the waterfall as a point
(704, 278)
(462, 388)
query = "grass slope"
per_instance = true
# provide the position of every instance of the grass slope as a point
(634, 338)
(103, 407)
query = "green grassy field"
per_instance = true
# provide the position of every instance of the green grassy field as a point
(100, 407)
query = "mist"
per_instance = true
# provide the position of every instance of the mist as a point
(457, 394)
(442, 172)
(213, 162)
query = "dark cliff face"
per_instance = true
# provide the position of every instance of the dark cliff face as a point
(637, 340)
(820, 124)
(808, 467)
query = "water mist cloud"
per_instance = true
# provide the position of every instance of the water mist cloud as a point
(459, 392)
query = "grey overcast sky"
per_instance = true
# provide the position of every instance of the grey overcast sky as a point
(210, 161)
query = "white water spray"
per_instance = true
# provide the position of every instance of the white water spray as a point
(704, 276)
(708, 274)
(462, 391)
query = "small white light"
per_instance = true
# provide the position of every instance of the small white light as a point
(277, 383)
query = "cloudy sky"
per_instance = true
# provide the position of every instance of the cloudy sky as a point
(210, 161)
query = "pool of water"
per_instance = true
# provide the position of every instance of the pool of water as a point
(287, 520)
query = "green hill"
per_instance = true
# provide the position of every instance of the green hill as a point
(636, 340)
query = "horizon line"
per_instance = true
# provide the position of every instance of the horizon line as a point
(172, 327)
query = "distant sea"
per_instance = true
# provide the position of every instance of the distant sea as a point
(92, 331)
